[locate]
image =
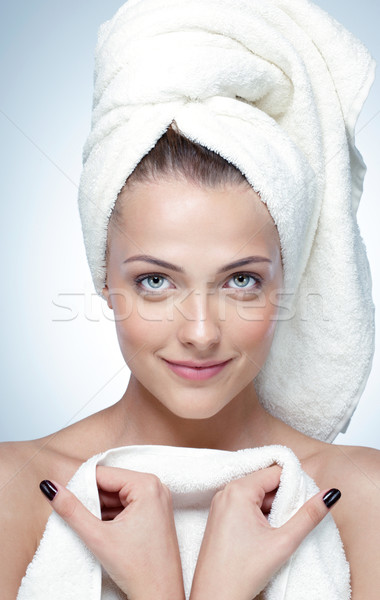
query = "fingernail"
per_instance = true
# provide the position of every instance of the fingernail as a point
(48, 488)
(331, 497)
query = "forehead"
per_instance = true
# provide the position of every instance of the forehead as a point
(175, 210)
(169, 203)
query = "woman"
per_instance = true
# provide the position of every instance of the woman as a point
(192, 310)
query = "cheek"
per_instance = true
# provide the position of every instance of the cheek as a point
(139, 324)
(255, 332)
(255, 341)
(253, 327)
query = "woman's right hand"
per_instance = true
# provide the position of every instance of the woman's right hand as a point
(240, 551)
(136, 540)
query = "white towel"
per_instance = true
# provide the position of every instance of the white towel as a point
(275, 87)
(65, 569)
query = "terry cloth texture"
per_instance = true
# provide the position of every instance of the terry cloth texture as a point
(65, 569)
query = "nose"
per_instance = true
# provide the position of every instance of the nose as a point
(199, 323)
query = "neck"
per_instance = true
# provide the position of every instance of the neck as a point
(243, 423)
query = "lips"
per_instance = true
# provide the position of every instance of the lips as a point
(198, 365)
(197, 371)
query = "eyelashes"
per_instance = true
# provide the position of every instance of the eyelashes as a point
(156, 280)
(138, 282)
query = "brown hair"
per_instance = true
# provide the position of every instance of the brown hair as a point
(174, 154)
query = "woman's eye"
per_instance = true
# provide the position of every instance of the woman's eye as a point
(245, 282)
(155, 283)
(150, 283)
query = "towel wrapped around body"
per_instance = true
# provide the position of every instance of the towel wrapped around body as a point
(63, 564)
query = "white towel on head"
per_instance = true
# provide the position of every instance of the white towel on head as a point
(63, 565)
(275, 87)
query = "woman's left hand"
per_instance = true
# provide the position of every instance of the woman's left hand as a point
(240, 551)
(136, 540)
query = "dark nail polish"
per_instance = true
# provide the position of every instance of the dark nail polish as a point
(331, 497)
(48, 488)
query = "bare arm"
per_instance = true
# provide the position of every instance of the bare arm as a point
(358, 519)
(16, 523)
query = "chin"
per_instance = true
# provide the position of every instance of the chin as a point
(191, 410)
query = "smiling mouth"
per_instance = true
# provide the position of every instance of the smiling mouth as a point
(197, 372)
(194, 365)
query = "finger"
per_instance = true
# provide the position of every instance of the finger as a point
(130, 485)
(259, 484)
(116, 483)
(77, 516)
(268, 479)
(112, 479)
(308, 517)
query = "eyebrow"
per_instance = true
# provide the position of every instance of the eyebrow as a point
(172, 267)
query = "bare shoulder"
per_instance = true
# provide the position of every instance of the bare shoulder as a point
(355, 470)
(23, 509)
(17, 505)
(357, 460)
(17, 468)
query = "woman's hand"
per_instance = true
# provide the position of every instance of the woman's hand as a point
(136, 540)
(240, 551)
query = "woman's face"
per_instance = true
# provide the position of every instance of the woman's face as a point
(179, 295)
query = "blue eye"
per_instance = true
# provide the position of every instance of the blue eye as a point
(155, 282)
(246, 281)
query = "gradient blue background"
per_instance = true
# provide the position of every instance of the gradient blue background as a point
(59, 365)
